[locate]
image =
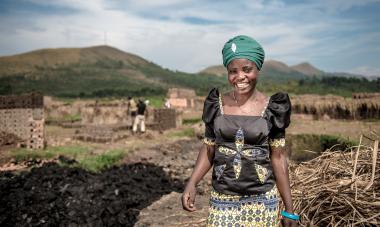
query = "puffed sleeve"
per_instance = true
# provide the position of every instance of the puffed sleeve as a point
(210, 111)
(278, 112)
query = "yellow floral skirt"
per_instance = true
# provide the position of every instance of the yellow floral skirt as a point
(247, 210)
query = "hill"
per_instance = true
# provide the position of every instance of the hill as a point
(307, 69)
(104, 71)
(93, 71)
(54, 58)
(217, 70)
(272, 69)
(304, 78)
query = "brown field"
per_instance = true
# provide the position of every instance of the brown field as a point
(349, 129)
(173, 150)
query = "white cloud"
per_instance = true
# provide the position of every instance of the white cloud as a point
(302, 32)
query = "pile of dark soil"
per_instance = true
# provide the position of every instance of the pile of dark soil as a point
(54, 195)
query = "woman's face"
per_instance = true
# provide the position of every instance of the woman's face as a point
(242, 75)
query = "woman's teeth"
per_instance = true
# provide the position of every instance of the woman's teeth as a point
(242, 85)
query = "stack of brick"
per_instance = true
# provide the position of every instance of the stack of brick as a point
(98, 134)
(164, 119)
(23, 116)
(180, 98)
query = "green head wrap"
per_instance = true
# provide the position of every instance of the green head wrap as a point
(243, 47)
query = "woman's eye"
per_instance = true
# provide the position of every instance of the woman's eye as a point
(247, 70)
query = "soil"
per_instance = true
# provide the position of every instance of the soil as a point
(127, 195)
(54, 195)
(144, 191)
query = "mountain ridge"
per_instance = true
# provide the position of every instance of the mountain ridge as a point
(104, 71)
(269, 67)
(307, 69)
(52, 57)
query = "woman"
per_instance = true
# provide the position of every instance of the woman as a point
(245, 142)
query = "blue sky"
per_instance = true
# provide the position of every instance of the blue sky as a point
(188, 35)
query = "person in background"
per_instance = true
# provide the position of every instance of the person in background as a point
(132, 109)
(167, 103)
(245, 144)
(140, 118)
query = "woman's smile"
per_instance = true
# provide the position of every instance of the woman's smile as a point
(242, 85)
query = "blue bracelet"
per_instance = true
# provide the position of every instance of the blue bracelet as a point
(294, 217)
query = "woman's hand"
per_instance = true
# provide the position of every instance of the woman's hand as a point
(188, 198)
(286, 222)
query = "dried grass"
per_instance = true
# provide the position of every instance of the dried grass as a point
(339, 188)
(365, 107)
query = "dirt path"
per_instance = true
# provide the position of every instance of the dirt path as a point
(178, 160)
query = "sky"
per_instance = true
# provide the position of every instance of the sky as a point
(188, 35)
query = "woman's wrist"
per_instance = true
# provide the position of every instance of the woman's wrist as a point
(289, 210)
(290, 215)
(191, 183)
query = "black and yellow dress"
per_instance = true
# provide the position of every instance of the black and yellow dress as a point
(244, 191)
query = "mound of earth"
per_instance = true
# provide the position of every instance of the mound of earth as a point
(54, 195)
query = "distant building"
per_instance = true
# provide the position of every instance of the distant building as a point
(184, 99)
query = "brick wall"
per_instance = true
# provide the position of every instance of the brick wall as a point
(23, 116)
(165, 118)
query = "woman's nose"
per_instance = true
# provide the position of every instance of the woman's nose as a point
(241, 75)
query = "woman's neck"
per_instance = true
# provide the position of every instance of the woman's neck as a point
(243, 98)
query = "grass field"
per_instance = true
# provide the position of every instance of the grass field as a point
(79, 156)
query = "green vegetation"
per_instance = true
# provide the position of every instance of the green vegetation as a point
(156, 101)
(105, 72)
(186, 132)
(341, 86)
(336, 85)
(93, 81)
(102, 80)
(191, 121)
(72, 117)
(23, 154)
(307, 146)
(102, 161)
(83, 156)
(201, 83)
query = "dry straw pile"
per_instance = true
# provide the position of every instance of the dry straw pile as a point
(339, 188)
(361, 106)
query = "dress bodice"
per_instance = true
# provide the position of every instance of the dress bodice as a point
(241, 163)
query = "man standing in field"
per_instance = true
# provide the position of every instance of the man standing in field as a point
(132, 109)
(140, 118)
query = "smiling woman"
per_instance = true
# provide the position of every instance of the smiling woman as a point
(245, 143)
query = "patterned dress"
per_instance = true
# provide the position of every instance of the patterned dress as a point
(244, 191)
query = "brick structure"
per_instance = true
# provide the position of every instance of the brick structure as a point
(23, 116)
(98, 134)
(184, 99)
(164, 119)
(180, 98)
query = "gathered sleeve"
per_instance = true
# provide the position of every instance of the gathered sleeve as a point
(278, 112)
(210, 111)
